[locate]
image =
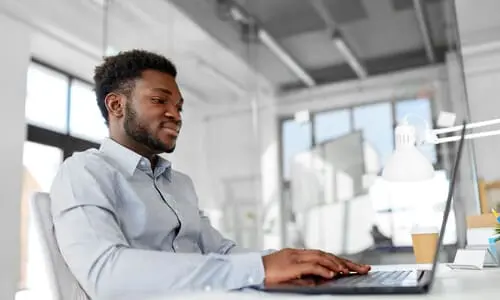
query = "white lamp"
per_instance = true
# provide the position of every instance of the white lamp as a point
(407, 163)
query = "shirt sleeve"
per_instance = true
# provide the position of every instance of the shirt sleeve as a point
(100, 257)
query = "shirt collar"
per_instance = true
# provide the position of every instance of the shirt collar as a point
(129, 160)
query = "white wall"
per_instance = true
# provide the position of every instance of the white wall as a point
(395, 86)
(274, 235)
(479, 28)
(482, 72)
(478, 22)
(14, 59)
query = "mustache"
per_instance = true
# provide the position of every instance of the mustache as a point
(172, 124)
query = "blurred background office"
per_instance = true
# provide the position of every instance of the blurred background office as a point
(290, 107)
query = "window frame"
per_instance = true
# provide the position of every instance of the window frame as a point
(65, 141)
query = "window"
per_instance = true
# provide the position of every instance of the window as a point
(53, 133)
(376, 123)
(85, 120)
(50, 139)
(417, 111)
(297, 137)
(61, 110)
(331, 124)
(46, 102)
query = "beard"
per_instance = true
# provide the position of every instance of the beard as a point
(139, 133)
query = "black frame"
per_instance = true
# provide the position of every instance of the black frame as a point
(64, 141)
(67, 143)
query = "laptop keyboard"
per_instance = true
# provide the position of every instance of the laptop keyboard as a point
(374, 278)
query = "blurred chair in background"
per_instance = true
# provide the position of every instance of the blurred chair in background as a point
(489, 195)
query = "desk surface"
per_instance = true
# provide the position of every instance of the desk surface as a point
(449, 284)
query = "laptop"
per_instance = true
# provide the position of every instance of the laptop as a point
(384, 282)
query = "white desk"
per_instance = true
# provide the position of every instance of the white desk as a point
(449, 284)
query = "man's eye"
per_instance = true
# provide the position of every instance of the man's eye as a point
(158, 100)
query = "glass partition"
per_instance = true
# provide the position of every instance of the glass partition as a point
(269, 85)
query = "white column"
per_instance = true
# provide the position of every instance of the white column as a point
(14, 59)
(272, 208)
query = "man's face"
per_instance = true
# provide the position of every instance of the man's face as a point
(153, 112)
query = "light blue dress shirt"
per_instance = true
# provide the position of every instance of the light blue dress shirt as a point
(129, 232)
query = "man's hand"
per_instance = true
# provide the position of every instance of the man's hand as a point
(292, 264)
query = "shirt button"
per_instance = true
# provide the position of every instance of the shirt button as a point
(250, 280)
(208, 288)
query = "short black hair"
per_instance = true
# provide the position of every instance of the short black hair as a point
(117, 73)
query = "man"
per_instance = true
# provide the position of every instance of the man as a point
(129, 226)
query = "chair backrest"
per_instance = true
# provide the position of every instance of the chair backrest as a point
(489, 195)
(63, 283)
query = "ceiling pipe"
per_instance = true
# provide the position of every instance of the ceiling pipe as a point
(424, 30)
(239, 15)
(338, 40)
(285, 58)
(349, 56)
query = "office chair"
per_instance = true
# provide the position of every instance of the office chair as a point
(62, 281)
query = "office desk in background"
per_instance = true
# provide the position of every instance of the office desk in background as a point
(449, 285)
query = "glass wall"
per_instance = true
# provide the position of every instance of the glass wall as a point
(295, 105)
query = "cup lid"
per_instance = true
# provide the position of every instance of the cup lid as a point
(420, 229)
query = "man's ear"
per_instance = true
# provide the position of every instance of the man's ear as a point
(115, 104)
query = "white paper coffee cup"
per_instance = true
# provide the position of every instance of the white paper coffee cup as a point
(424, 240)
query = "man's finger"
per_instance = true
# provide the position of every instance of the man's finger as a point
(341, 267)
(305, 269)
(320, 256)
(340, 262)
(324, 260)
(359, 268)
(348, 265)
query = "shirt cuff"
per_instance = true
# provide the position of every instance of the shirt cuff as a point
(250, 270)
(267, 252)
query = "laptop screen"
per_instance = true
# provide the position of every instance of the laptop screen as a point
(449, 199)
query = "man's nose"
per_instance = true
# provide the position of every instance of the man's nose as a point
(173, 113)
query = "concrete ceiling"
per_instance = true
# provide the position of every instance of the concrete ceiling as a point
(384, 35)
(221, 64)
(70, 35)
